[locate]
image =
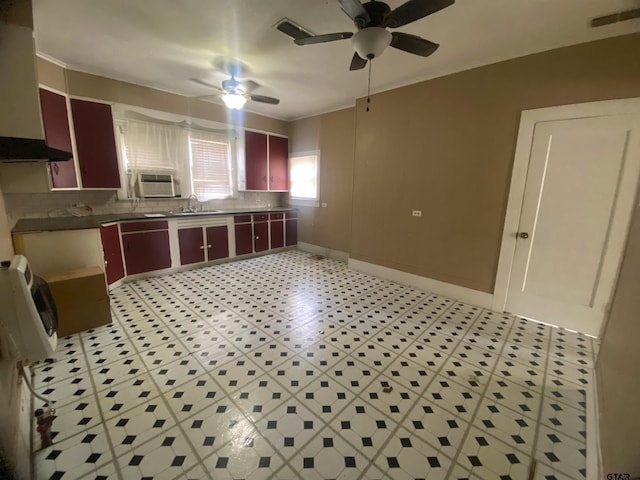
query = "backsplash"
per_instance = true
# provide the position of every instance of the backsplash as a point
(60, 204)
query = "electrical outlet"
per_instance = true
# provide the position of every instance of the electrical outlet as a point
(417, 213)
(324, 205)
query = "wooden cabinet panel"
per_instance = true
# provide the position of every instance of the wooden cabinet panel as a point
(261, 236)
(146, 251)
(255, 151)
(244, 238)
(242, 219)
(278, 163)
(277, 233)
(217, 242)
(95, 144)
(114, 268)
(191, 245)
(55, 120)
(291, 232)
(144, 225)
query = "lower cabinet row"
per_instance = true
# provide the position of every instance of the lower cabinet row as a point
(145, 246)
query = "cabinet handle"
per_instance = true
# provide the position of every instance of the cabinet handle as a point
(201, 248)
(208, 246)
(257, 238)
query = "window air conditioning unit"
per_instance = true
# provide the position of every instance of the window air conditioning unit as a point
(155, 186)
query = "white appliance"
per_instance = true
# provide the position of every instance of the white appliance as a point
(27, 310)
(155, 186)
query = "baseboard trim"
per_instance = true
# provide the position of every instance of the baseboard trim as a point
(594, 459)
(463, 294)
(325, 252)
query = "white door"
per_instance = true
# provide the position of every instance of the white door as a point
(578, 199)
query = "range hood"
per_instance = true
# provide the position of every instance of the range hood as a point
(14, 149)
(21, 132)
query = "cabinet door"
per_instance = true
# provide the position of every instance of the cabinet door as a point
(278, 163)
(146, 251)
(277, 233)
(95, 144)
(255, 156)
(217, 242)
(114, 268)
(291, 233)
(191, 245)
(244, 238)
(261, 236)
(55, 120)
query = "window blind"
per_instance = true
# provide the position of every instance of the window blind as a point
(210, 165)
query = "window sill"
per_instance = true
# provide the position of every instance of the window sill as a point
(304, 202)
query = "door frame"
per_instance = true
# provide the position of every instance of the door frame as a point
(528, 120)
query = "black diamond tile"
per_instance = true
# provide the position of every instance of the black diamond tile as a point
(308, 462)
(208, 441)
(288, 441)
(512, 458)
(136, 459)
(552, 456)
(406, 442)
(393, 462)
(222, 462)
(350, 462)
(475, 461)
(264, 462)
(178, 460)
(433, 462)
(129, 439)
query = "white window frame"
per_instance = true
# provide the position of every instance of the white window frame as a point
(124, 112)
(305, 201)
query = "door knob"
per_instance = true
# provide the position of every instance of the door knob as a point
(523, 235)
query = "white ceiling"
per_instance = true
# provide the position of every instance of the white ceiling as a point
(164, 43)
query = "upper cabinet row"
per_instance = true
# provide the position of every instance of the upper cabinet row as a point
(266, 161)
(88, 132)
(96, 158)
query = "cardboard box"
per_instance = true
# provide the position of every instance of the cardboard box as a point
(81, 298)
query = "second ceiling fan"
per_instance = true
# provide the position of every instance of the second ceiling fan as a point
(372, 19)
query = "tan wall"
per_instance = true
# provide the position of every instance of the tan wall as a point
(332, 134)
(446, 147)
(92, 86)
(618, 368)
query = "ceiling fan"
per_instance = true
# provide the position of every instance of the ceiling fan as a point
(372, 19)
(235, 93)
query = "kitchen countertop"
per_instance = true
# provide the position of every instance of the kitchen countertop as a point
(26, 225)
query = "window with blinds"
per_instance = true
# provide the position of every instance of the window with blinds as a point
(210, 166)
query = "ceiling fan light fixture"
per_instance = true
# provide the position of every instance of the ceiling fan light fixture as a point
(234, 101)
(370, 42)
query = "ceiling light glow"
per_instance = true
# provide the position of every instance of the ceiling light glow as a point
(234, 101)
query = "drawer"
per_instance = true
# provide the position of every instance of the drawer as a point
(276, 216)
(242, 219)
(291, 215)
(260, 217)
(144, 226)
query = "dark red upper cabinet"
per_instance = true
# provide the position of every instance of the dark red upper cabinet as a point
(255, 154)
(95, 144)
(55, 119)
(278, 163)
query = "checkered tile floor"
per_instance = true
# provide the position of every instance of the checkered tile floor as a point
(289, 366)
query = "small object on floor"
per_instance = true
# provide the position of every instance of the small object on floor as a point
(321, 332)
(45, 421)
(387, 389)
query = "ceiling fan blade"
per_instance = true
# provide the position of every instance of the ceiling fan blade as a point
(356, 12)
(205, 84)
(357, 62)
(413, 44)
(264, 99)
(249, 85)
(414, 10)
(329, 37)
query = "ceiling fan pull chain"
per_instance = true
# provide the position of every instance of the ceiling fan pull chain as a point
(369, 87)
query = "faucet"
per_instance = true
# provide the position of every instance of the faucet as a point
(192, 203)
